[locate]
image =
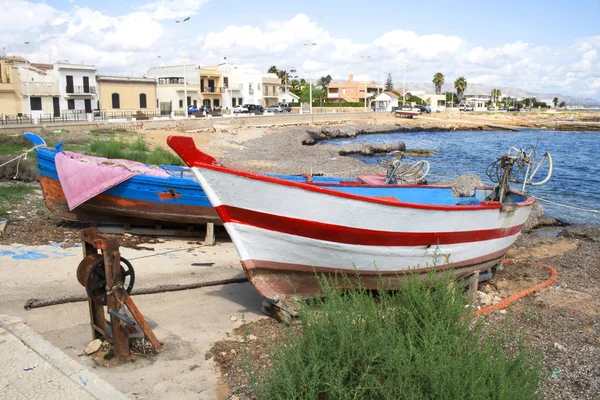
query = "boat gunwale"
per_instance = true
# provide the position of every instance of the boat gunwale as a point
(194, 158)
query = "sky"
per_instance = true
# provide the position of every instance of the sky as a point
(541, 46)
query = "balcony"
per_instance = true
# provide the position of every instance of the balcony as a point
(333, 95)
(80, 90)
(6, 87)
(210, 89)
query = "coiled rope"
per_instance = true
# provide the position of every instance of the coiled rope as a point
(50, 301)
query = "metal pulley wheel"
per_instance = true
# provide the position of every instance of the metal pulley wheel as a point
(92, 274)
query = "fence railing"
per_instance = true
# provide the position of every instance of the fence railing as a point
(80, 89)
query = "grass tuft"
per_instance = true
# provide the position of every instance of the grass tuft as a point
(135, 151)
(420, 342)
(13, 194)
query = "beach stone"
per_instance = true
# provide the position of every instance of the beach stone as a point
(367, 149)
(537, 218)
(464, 185)
(93, 346)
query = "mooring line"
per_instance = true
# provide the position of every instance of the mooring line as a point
(567, 206)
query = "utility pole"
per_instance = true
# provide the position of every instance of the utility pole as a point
(28, 82)
(178, 21)
(404, 84)
(310, 45)
(365, 58)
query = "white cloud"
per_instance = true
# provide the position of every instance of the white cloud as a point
(130, 43)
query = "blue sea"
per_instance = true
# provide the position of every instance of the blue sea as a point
(575, 180)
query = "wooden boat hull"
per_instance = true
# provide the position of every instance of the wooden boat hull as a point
(285, 232)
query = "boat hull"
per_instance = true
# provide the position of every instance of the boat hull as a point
(117, 209)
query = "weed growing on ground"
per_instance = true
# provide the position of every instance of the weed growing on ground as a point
(419, 342)
(13, 194)
(135, 151)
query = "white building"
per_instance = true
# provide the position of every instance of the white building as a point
(385, 101)
(287, 97)
(77, 87)
(241, 85)
(171, 88)
(39, 81)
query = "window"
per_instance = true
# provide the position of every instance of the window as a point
(226, 82)
(195, 103)
(143, 100)
(216, 102)
(258, 86)
(36, 104)
(71, 104)
(116, 101)
(180, 103)
(233, 99)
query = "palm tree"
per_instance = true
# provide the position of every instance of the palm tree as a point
(438, 81)
(496, 93)
(273, 70)
(324, 81)
(460, 84)
(555, 101)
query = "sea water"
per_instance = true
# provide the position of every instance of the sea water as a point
(575, 180)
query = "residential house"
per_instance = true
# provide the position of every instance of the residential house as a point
(127, 94)
(271, 90)
(351, 91)
(286, 96)
(77, 87)
(10, 95)
(386, 101)
(437, 102)
(211, 86)
(171, 87)
(242, 85)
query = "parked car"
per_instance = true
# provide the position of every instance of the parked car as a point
(274, 109)
(240, 109)
(424, 109)
(461, 107)
(192, 110)
(285, 107)
(254, 108)
(206, 109)
(503, 108)
(468, 107)
(491, 108)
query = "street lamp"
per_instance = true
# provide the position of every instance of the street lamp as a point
(365, 58)
(310, 45)
(28, 83)
(180, 21)
(404, 84)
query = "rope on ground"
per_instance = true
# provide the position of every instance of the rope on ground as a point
(524, 293)
(567, 206)
(50, 301)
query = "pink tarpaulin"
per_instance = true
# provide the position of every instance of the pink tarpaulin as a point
(83, 177)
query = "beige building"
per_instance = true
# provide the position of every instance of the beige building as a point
(351, 91)
(211, 86)
(270, 90)
(126, 94)
(10, 95)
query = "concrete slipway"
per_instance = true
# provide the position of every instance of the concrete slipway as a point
(187, 322)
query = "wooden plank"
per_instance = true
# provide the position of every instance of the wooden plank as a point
(473, 286)
(210, 240)
(119, 230)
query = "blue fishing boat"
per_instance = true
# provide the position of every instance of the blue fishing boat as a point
(172, 199)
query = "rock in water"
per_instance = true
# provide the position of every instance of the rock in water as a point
(93, 346)
(538, 219)
(464, 185)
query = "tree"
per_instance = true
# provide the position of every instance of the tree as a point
(324, 81)
(438, 81)
(555, 101)
(316, 94)
(389, 84)
(562, 104)
(460, 84)
(496, 93)
(273, 70)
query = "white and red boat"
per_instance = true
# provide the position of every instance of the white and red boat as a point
(285, 232)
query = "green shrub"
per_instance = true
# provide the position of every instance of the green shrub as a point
(162, 156)
(108, 148)
(139, 145)
(343, 104)
(419, 342)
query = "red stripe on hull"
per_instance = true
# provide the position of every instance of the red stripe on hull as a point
(356, 236)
